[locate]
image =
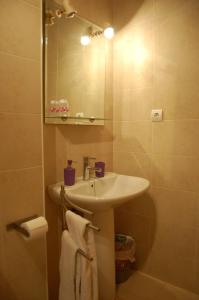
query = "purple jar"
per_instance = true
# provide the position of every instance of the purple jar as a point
(101, 166)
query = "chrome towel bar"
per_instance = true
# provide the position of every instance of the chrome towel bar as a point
(81, 252)
(64, 197)
(65, 201)
(93, 227)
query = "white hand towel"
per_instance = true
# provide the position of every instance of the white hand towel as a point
(69, 265)
(84, 238)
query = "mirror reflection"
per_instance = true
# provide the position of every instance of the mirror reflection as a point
(75, 61)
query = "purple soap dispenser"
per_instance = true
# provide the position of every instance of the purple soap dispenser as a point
(69, 174)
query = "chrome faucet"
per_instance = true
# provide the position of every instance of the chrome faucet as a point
(87, 168)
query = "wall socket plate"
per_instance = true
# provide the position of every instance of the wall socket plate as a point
(156, 115)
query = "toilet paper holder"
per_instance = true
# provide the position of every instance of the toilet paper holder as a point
(17, 225)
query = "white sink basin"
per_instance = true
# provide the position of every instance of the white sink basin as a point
(103, 193)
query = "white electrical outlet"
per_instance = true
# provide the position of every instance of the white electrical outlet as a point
(156, 115)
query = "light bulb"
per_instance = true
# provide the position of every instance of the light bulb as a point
(85, 40)
(109, 33)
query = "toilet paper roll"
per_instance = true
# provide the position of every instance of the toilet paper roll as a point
(36, 228)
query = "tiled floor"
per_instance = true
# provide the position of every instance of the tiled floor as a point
(143, 287)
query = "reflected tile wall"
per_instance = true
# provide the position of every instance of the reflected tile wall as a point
(156, 66)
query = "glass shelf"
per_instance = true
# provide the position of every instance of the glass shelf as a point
(74, 120)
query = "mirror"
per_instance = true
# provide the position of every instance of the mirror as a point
(74, 73)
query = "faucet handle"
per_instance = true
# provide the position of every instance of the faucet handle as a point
(87, 158)
(87, 167)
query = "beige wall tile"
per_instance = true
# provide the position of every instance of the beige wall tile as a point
(15, 37)
(5, 292)
(174, 269)
(177, 66)
(196, 277)
(142, 286)
(36, 3)
(197, 246)
(133, 164)
(134, 65)
(26, 258)
(176, 137)
(23, 188)
(137, 11)
(76, 142)
(51, 210)
(97, 11)
(134, 54)
(181, 23)
(52, 214)
(197, 214)
(133, 137)
(177, 103)
(175, 240)
(133, 105)
(21, 141)
(22, 264)
(144, 206)
(168, 77)
(20, 85)
(163, 9)
(166, 33)
(176, 172)
(175, 207)
(49, 139)
(61, 154)
(104, 147)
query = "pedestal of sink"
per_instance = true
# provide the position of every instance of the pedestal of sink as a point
(105, 253)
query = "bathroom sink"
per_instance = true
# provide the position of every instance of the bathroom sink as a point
(101, 196)
(103, 193)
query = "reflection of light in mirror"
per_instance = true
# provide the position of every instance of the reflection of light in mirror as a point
(85, 40)
(109, 33)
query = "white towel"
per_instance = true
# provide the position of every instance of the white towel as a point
(84, 238)
(68, 268)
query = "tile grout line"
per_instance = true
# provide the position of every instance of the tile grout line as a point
(21, 169)
(20, 113)
(20, 56)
